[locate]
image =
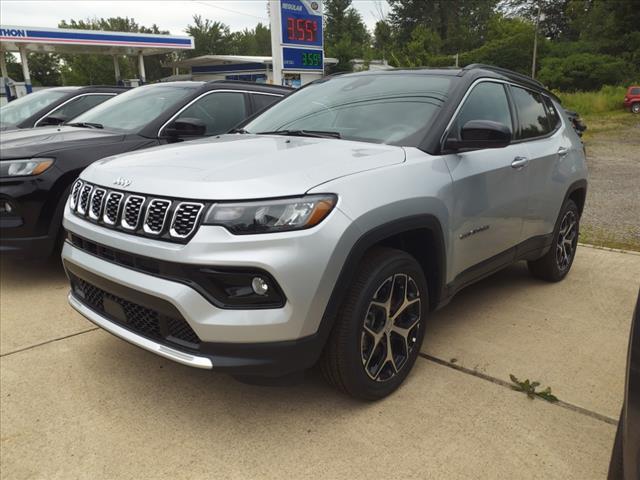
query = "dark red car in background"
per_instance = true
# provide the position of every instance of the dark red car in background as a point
(632, 99)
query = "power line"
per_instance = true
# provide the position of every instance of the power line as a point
(206, 4)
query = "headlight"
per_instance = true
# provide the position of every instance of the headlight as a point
(20, 168)
(269, 216)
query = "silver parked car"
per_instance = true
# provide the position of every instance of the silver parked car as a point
(327, 228)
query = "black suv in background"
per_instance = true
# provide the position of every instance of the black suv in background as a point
(37, 166)
(53, 106)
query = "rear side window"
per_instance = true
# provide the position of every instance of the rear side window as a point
(552, 114)
(487, 101)
(80, 105)
(260, 102)
(532, 116)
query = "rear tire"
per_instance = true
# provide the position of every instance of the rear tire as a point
(616, 468)
(556, 263)
(380, 326)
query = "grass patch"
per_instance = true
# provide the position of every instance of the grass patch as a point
(603, 238)
(606, 100)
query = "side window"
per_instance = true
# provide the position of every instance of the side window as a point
(552, 114)
(80, 105)
(532, 116)
(487, 101)
(220, 111)
(261, 102)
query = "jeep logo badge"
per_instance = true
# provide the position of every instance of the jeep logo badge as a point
(122, 182)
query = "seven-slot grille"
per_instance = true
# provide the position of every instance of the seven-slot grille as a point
(162, 218)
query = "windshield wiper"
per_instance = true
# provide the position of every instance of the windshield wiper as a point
(237, 130)
(304, 133)
(85, 125)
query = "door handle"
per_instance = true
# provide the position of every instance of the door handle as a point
(563, 151)
(519, 163)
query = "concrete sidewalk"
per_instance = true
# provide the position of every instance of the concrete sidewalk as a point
(78, 403)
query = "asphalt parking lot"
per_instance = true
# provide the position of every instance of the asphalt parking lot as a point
(79, 403)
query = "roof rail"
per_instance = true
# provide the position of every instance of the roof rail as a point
(506, 72)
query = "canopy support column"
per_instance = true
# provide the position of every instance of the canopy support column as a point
(116, 69)
(143, 76)
(5, 76)
(25, 69)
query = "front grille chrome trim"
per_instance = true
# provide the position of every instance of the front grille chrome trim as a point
(163, 218)
(105, 215)
(75, 193)
(101, 192)
(145, 225)
(83, 200)
(172, 231)
(123, 220)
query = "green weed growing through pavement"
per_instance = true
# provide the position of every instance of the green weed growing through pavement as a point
(529, 388)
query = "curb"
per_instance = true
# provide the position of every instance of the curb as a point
(608, 249)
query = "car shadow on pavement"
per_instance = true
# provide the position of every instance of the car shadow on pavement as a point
(494, 289)
(31, 273)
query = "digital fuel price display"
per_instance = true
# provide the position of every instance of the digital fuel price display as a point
(301, 22)
(302, 59)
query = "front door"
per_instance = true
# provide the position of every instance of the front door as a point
(490, 190)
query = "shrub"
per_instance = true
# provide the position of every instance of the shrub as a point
(584, 71)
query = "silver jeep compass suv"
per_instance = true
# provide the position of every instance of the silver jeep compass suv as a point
(326, 229)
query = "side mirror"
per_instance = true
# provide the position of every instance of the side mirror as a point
(52, 120)
(478, 134)
(186, 127)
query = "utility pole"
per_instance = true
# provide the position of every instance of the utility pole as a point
(535, 43)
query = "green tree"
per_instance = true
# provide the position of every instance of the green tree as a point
(210, 37)
(345, 34)
(383, 39)
(460, 24)
(256, 41)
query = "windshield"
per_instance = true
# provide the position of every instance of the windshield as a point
(386, 108)
(19, 110)
(132, 110)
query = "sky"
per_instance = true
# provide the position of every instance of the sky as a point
(173, 16)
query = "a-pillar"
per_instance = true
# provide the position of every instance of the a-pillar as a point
(25, 69)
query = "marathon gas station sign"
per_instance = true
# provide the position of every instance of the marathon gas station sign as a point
(18, 34)
(296, 36)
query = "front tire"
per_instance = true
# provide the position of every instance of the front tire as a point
(556, 263)
(635, 108)
(380, 326)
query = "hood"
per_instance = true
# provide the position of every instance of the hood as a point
(31, 142)
(234, 167)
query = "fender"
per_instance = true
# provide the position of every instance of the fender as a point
(374, 237)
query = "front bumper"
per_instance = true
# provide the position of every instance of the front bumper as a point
(31, 229)
(267, 341)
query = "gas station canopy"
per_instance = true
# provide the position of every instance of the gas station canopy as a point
(58, 40)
